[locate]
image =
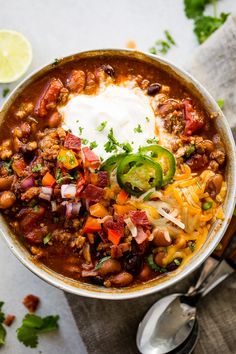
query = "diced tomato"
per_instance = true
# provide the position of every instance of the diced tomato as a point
(72, 142)
(122, 197)
(193, 120)
(92, 225)
(90, 158)
(80, 184)
(67, 159)
(18, 167)
(139, 218)
(92, 193)
(114, 236)
(48, 180)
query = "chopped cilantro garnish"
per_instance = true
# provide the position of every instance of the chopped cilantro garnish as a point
(138, 129)
(152, 141)
(81, 130)
(177, 261)
(206, 25)
(56, 61)
(112, 143)
(47, 238)
(189, 150)
(58, 176)
(192, 245)
(169, 37)
(194, 8)
(152, 50)
(7, 166)
(102, 126)
(37, 168)
(147, 119)
(36, 208)
(84, 141)
(5, 92)
(221, 102)
(101, 262)
(93, 145)
(33, 325)
(2, 329)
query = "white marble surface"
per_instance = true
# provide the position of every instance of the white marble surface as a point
(57, 28)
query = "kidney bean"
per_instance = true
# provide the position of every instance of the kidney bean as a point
(54, 120)
(205, 146)
(108, 70)
(145, 273)
(153, 89)
(110, 266)
(121, 279)
(7, 199)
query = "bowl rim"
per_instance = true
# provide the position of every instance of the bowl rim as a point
(125, 294)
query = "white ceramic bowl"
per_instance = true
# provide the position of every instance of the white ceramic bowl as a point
(216, 232)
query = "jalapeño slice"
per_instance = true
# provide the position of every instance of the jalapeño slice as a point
(137, 174)
(111, 163)
(164, 157)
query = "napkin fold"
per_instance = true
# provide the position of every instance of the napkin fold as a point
(110, 326)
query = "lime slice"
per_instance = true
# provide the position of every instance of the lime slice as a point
(15, 55)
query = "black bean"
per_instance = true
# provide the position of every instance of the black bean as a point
(174, 265)
(153, 89)
(133, 263)
(108, 70)
(97, 280)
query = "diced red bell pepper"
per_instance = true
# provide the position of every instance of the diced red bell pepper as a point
(72, 142)
(48, 180)
(90, 158)
(114, 236)
(193, 120)
(92, 225)
(122, 197)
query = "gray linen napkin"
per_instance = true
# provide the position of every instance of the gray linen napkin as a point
(110, 327)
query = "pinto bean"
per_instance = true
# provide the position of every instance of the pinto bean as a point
(7, 199)
(214, 184)
(159, 258)
(161, 239)
(54, 120)
(145, 273)
(110, 266)
(121, 279)
(205, 146)
(6, 182)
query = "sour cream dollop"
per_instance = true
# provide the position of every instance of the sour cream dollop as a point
(126, 110)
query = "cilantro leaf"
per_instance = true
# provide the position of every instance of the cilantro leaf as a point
(127, 147)
(37, 168)
(112, 143)
(138, 129)
(194, 8)
(206, 25)
(102, 126)
(32, 325)
(47, 238)
(2, 316)
(3, 334)
(5, 92)
(58, 176)
(93, 145)
(221, 102)
(101, 262)
(7, 165)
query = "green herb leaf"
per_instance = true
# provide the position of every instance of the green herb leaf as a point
(152, 141)
(206, 25)
(3, 334)
(32, 325)
(93, 145)
(192, 245)
(221, 102)
(2, 315)
(138, 129)
(147, 119)
(85, 141)
(36, 208)
(7, 165)
(189, 151)
(207, 205)
(127, 147)
(163, 46)
(102, 126)
(56, 61)
(5, 92)
(152, 50)
(169, 37)
(177, 262)
(112, 143)
(37, 168)
(194, 8)
(47, 238)
(81, 130)
(101, 262)
(58, 176)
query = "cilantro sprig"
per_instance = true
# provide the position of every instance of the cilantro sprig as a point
(102, 126)
(32, 326)
(3, 332)
(204, 26)
(113, 144)
(163, 45)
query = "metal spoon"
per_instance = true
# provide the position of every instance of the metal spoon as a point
(170, 321)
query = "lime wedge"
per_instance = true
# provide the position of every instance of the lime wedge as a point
(15, 55)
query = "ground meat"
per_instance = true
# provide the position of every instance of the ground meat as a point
(49, 145)
(169, 106)
(197, 162)
(24, 110)
(174, 122)
(117, 251)
(76, 81)
(90, 83)
(63, 96)
(36, 236)
(219, 156)
(31, 302)
(92, 193)
(62, 236)
(30, 193)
